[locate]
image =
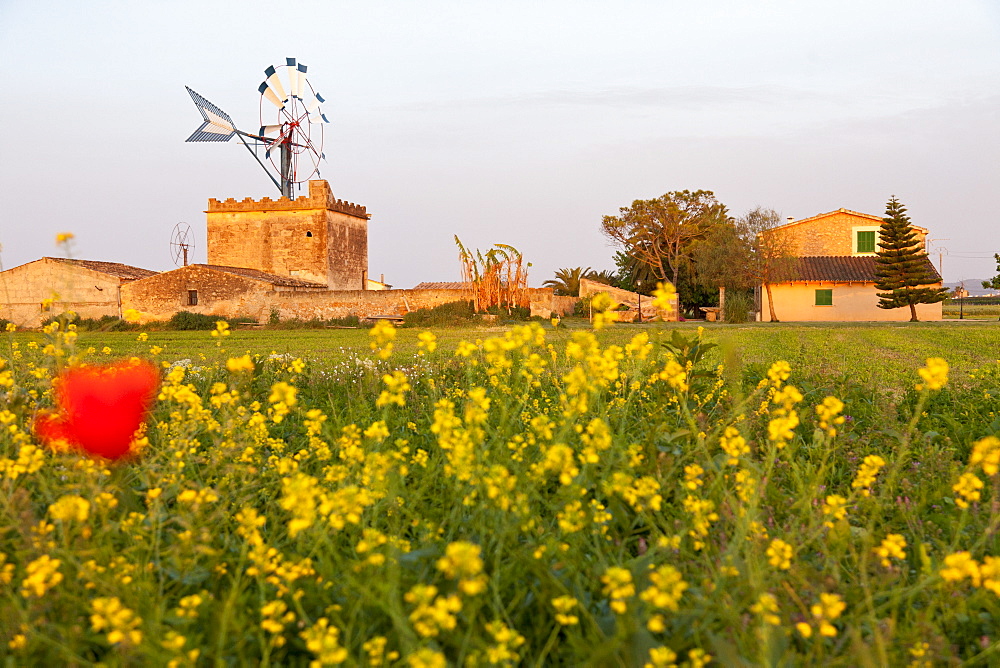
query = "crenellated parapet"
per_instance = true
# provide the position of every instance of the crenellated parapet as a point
(320, 197)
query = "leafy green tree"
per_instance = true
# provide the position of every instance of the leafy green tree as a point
(662, 233)
(903, 272)
(633, 275)
(750, 253)
(567, 281)
(994, 283)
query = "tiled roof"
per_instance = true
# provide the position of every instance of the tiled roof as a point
(263, 276)
(442, 285)
(841, 269)
(123, 271)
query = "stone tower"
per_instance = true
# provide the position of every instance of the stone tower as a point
(316, 238)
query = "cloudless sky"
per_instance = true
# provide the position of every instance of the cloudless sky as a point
(514, 122)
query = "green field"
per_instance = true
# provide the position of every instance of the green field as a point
(875, 354)
(511, 496)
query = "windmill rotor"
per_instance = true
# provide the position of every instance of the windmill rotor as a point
(181, 244)
(291, 125)
(295, 145)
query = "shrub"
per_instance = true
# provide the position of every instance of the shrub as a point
(739, 306)
(452, 313)
(186, 321)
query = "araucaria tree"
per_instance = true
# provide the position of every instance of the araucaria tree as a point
(662, 232)
(903, 272)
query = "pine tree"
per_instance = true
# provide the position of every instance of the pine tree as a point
(902, 269)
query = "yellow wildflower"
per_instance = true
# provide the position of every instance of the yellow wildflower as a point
(618, 587)
(836, 507)
(891, 548)
(986, 451)
(43, 574)
(934, 375)
(238, 364)
(563, 606)
(120, 623)
(779, 554)
(967, 489)
(70, 507)
(867, 473)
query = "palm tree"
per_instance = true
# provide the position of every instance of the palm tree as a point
(567, 281)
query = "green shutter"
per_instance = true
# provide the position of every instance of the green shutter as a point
(866, 242)
(824, 297)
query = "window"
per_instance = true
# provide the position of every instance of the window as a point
(309, 233)
(192, 297)
(824, 297)
(866, 241)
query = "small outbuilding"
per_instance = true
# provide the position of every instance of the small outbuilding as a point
(37, 290)
(212, 290)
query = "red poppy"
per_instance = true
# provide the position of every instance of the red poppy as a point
(101, 406)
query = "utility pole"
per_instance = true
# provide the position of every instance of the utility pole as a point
(941, 250)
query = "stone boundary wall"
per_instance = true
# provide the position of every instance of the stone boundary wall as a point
(367, 303)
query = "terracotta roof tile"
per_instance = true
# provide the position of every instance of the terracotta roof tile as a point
(123, 271)
(841, 269)
(257, 275)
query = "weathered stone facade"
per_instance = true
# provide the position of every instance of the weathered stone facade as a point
(831, 233)
(88, 288)
(211, 290)
(316, 238)
(228, 295)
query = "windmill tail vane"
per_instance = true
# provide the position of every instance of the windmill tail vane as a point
(297, 134)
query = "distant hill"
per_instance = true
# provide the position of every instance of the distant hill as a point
(973, 285)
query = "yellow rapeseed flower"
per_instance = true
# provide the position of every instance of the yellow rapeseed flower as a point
(238, 364)
(867, 473)
(959, 566)
(891, 548)
(934, 375)
(42, 574)
(967, 489)
(563, 606)
(986, 452)
(618, 587)
(70, 507)
(779, 554)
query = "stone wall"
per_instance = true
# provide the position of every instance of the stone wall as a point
(218, 293)
(636, 302)
(830, 233)
(90, 294)
(224, 295)
(316, 237)
(366, 303)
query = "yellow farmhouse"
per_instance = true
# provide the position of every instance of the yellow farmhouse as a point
(835, 271)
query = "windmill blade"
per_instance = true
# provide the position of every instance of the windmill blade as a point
(267, 130)
(318, 118)
(274, 83)
(217, 126)
(314, 105)
(298, 76)
(264, 90)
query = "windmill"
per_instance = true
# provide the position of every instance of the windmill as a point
(181, 244)
(291, 126)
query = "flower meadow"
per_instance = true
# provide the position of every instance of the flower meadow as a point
(504, 501)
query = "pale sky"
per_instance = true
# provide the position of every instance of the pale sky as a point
(503, 122)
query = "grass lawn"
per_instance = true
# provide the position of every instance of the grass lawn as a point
(877, 355)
